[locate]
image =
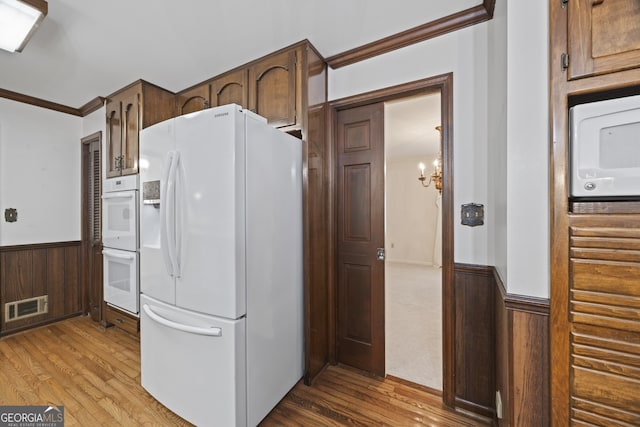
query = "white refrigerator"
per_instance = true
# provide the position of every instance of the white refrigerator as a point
(221, 318)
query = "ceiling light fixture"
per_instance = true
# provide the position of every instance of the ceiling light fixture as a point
(19, 19)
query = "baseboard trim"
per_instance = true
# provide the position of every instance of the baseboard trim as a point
(34, 246)
(478, 411)
(417, 386)
(407, 262)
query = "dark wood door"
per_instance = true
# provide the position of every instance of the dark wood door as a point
(92, 225)
(360, 223)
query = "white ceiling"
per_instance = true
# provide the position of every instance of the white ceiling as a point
(89, 48)
(410, 128)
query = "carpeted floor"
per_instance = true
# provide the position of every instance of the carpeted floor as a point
(414, 323)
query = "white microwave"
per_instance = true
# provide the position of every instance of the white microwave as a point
(605, 148)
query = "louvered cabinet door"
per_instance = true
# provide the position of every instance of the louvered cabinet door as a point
(604, 315)
(95, 231)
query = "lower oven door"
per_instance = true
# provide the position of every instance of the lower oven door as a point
(121, 279)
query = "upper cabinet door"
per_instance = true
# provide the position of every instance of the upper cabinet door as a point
(603, 36)
(130, 101)
(272, 88)
(114, 138)
(231, 88)
(194, 99)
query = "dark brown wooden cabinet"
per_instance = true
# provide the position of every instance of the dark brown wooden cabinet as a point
(230, 88)
(595, 245)
(603, 36)
(274, 88)
(120, 319)
(130, 110)
(193, 99)
(604, 311)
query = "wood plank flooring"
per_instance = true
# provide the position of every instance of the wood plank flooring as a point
(95, 374)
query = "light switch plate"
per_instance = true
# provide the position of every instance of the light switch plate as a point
(11, 215)
(472, 214)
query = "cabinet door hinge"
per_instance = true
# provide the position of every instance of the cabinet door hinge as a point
(563, 3)
(564, 61)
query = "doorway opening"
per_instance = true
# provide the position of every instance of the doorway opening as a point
(358, 289)
(413, 239)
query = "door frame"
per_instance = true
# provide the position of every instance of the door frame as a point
(444, 84)
(86, 267)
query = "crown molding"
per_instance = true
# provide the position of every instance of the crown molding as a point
(85, 110)
(26, 99)
(446, 24)
(91, 106)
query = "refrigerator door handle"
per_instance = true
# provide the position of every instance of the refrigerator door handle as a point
(179, 215)
(165, 224)
(171, 213)
(213, 332)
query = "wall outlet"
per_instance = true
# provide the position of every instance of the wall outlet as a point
(498, 405)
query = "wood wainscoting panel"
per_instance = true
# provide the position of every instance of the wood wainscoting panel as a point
(522, 358)
(28, 271)
(474, 339)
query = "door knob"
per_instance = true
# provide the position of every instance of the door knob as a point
(380, 254)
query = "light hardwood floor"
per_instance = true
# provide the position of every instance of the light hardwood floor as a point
(95, 374)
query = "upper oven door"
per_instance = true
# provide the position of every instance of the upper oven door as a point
(119, 220)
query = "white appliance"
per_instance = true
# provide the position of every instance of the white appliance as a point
(605, 148)
(221, 325)
(120, 242)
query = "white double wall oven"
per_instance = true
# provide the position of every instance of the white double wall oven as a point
(121, 243)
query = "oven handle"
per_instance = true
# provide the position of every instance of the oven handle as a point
(116, 255)
(119, 195)
(212, 332)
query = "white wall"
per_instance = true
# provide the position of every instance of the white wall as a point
(39, 174)
(500, 158)
(464, 53)
(96, 122)
(527, 149)
(410, 212)
(498, 117)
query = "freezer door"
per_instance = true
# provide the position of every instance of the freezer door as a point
(210, 212)
(156, 142)
(194, 364)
